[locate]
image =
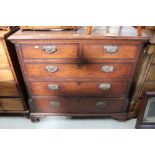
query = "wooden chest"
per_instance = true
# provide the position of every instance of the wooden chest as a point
(74, 74)
(146, 76)
(13, 96)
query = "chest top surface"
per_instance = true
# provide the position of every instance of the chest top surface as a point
(98, 32)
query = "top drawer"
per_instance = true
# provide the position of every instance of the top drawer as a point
(50, 51)
(110, 51)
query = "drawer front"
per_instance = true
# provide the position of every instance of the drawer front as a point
(50, 51)
(6, 75)
(11, 104)
(3, 58)
(110, 51)
(74, 71)
(151, 74)
(79, 89)
(9, 89)
(80, 106)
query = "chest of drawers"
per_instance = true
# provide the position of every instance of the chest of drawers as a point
(74, 74)
(12, 91)
(146, 76)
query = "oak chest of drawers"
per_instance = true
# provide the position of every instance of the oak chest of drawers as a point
(71, 73)
(12, 91)
(146, 76)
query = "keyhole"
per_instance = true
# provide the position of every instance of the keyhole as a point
(78, 83)
(78, 66)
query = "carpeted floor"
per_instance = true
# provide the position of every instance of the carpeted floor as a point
(63, 123)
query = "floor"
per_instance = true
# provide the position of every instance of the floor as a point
(64, 123)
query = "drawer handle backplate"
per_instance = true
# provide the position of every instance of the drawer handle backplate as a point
(49, 49)
(53, 87)
(104, 86)
(100, 104)
(107, 69)
(51, 69)
(55, 104)
(110, 49)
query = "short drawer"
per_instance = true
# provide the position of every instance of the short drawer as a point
(151, 74)
(3, 57)
(80, 106)
(110, 51)
(6, 75)
(78, 72)
(11, 104)
(79, 89)
(9, 89)
(50, 51)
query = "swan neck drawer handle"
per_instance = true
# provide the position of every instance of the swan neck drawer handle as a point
(53, 87)
(107, 69)
(55, 104)
(49, 49)
(51, 69)
(104, 86)
(100, 104)
(110, 49)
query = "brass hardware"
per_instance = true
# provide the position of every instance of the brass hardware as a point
(55, 104)
(110, 49)
(101, 104)
(50, 49)
(104, 86)
(51, 69)
(53, 86)
(107, 69)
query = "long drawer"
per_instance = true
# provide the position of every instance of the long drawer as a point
(77, 72)
(109, 51)
(11, 104)
(9, 89)
(79, 89)
(6, 75)
(50, 51)
(3, 57)
(79, 106)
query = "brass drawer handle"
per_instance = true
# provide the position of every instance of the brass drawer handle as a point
(100, 104)
(55, 104)
(53, 87)
(107, 69)
(49, 49)
(51, 69)
(110, 49)
(104, 86)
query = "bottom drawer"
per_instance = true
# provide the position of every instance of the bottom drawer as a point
(79, 106)
(11, 104)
